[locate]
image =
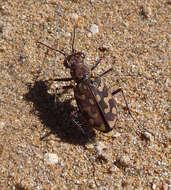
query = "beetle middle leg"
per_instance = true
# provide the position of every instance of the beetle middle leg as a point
(64, 87)
(63, 79)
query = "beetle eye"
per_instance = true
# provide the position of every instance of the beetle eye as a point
(82, 55)
(67, 64)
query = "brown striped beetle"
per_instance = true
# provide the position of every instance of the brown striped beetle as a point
(93, 98)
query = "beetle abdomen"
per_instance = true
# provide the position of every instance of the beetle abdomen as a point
(88, 106)
(92, 103)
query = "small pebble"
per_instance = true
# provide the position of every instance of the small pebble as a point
(148, 136)
(165, 186)
(89, 35)
(94, 29)
(1, 149)
(101, 147)
(74, 16)
(77, 182)
(89, 145)
(51, 158)
(168, 2)
(168, 82)
(112, 134)
(109, 134)
(63, 164)
(68, 34)
(154, 186)
(2, 124)
(124, 161)
(117, 135)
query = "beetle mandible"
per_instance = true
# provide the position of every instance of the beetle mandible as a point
(93, 98)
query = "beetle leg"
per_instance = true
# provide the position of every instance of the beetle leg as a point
(97, 62)
(127, 107)
(82, 130)
(101, 75)
(120, 90)
(63, 79)
(59, 79)
(65, 87)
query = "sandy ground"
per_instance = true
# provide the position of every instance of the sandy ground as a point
(40, 146)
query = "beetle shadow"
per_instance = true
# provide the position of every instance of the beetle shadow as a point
(56, 115)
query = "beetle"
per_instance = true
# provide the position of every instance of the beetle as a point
(93, 98)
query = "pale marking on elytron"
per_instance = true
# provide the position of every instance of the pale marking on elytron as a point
(106, 100)
(82, 97)
(91, 121)
(95, 115)
(100, 88)
(114, 110)
(112, 123)
(87, 109)
(83, 86)
(102, 127)
(98, 97)
(91, 101)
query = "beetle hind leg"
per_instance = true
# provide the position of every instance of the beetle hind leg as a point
(128, 109)
(78, 124)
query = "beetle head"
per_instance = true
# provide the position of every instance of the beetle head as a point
(75, 62)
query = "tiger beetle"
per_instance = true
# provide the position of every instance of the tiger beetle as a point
(93, 98)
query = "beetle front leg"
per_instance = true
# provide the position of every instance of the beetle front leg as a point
(97, 62)
(101, 75)
(59, 79)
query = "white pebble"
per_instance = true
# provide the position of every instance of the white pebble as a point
(89, 145)
(168, 82)
(154, 186)
(124, 161)
(89, 35)
(94, 29)
(2, 124)
(74, 16)
(68, 34)
(101, 147)
(117, 135)
(148, 136)
(51, 158)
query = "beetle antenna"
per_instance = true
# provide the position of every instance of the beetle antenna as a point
(73, 39)
(60, 51)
